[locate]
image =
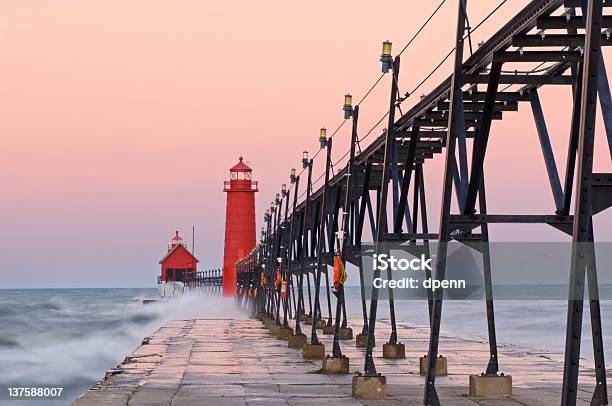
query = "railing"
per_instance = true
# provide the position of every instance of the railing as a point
(211, 277)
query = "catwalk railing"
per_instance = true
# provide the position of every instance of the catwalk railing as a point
(207, 278)
(282, 276)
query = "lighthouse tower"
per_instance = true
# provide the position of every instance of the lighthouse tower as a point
(239, 222)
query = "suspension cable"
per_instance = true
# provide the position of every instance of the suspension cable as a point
(453, 49)
(379, 79)
(420, 84)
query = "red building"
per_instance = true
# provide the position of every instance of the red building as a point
(239, 222)
(178, 264)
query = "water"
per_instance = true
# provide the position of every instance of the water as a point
(71, 337)
(535, 324)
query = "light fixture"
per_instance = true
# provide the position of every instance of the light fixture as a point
(323, 137)
(305, 159)
(348, 106)
(277, 199)
(340, 235)
(292, 176)
(284, 189)
(385, 58)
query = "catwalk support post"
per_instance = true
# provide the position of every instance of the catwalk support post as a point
(430, 396)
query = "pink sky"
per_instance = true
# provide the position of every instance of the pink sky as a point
(120, 120)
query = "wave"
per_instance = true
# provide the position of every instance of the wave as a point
(70, 338)
(11, 309)
(8, 342)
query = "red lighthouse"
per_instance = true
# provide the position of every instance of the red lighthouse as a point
(178, 264)
(239, 221)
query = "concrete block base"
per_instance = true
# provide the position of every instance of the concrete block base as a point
(313, 351)
(336, 365)
(346, 333)
(284, 333)
(441, 366)
(321, 324)
(303, 317)
(274, 328)
(268, 322)
(308, 320)
(329, 329)
(361, 341)
(494, 386)
(394, 351)
(369, 387)
(298, 341)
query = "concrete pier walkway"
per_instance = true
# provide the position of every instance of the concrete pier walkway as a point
(237, 362)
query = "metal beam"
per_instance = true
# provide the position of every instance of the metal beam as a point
(538, 56)
(555, 40)
(549, 156)
(572, 22)
(521, 79)
(314, 339)
(581, 236)
(479, 106)
(462, 146)
(440, 122)
(509, 218)
(403, 200)
(493, 364)
(570, 165)
(381, 226)
(469, 116)
(578, 3)
(482, 137)
(499, 97)
(605, 100)
(430, 397)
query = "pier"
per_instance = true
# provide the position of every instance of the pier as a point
(234, 362)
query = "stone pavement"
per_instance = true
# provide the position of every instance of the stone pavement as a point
(237, 362)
